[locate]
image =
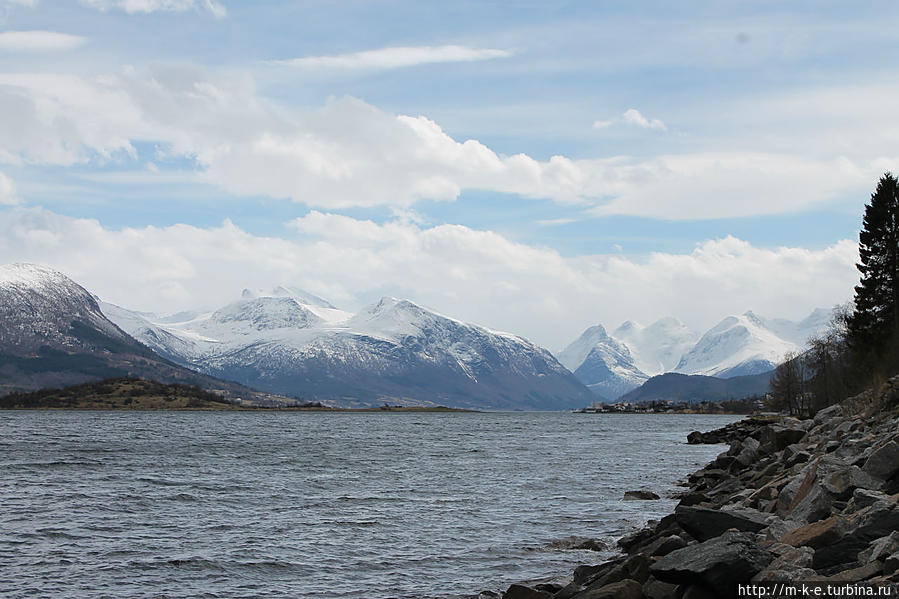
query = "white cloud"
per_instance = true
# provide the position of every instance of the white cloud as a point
(39, 41)
(349, 153)
(478, 276)
(148, 6)
(602, 124)
(7, 191)
(397, 57)
(632, 116)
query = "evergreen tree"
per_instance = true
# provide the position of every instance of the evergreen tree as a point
(873, 325)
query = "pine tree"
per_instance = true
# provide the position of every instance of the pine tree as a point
(873, 325)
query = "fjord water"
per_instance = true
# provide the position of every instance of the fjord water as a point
(288, 504)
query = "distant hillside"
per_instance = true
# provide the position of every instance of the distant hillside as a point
(696, 388)
(123, 393)
(53, 334)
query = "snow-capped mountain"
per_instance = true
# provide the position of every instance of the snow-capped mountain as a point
(394, 351)
(739, 345)
(53, 333)
(40, 307)
(658, 347)
(602, 363)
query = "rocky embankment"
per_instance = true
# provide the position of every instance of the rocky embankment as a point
(792, 501)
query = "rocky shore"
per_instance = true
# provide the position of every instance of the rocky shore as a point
(810, 502)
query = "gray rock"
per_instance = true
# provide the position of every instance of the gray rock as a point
(623, 589)
(891, 564)
(665, 545)
(834, 411)
(718, 564)
(656, 589)
(883, 461)
(641, 495)
(793, 563)
(776, 437)
(519, 591)
(871, 523)
(842, 482)
(706, 523)
(862, 498)
(880, 549)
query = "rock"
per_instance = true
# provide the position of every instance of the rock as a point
(842, 482)
(873, 522)
(549, 587)
(862, 498)
(706, 523)
(583, 575)
(695, 591)
(582, 543)
(776, 437)
(693, 498)
(665, 545)
(642, 495)
(695, 438)
(884, 461)
(623, 589)
(569, 591)
(749, 451)
(834, 411)
(792, 563)
(718, 564)
(519, 591)
(634, 539)
(880, 549)
(857, 574)
(891, 564)
(818, 534)
(656, 589)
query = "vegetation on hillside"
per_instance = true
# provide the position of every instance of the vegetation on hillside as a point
(860, 349)
(127, 393)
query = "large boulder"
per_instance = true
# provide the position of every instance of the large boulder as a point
(776, 437)
(718, 564)
(705, 523)
(791, 563)
(817, 534)
(866, 525)
(519, 591)
(623, 589)
(883, 461)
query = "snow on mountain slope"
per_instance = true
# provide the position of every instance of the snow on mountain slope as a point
(738, 345)
(394, 349)
(42, 307)
(602, 363)
(657, 348)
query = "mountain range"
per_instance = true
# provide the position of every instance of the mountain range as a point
(394, 351)
(291, 343)
(738, 346)
(53, 334)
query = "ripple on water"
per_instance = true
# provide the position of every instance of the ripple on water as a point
(322, 505)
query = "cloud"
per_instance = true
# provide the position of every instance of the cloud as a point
(602, 124)
(7, 191)
(350, 153)
(217, 9)
(632, 116)
(476, 275)
(396, 57)
(39, 41)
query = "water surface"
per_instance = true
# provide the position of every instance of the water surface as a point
(318, 505)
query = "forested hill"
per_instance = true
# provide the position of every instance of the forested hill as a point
(122, 393)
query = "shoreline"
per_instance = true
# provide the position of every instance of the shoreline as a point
(814, 500)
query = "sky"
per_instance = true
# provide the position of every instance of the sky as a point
(534, 167)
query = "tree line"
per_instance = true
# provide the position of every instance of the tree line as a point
(860, 348)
